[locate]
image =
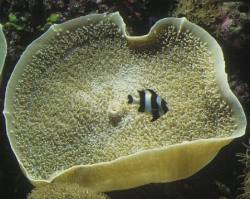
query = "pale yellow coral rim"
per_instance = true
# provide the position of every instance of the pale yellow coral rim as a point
(3, 51)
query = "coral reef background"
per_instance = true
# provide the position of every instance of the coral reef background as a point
(228, 21)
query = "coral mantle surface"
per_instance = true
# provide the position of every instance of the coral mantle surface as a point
(71, 102)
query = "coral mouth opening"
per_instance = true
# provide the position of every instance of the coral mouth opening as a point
(115, 113)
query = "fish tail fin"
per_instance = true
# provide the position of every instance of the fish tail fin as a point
(130, 99)
(154, 118)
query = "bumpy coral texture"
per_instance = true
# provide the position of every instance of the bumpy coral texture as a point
(71, 102)
(64, 191)
(200, 12)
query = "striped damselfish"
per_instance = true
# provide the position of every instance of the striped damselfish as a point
(150, 102)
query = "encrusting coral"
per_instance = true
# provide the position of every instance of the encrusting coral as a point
(64, 191)
(200, 12)
(66, 104)
(3, 51)
(227, 20)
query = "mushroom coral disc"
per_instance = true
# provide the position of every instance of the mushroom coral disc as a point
(66, 107)
(3, 51)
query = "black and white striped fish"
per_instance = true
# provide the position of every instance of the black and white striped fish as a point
(150, 102)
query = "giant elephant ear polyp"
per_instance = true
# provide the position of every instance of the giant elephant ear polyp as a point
(67, 114)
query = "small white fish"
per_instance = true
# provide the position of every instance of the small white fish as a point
(150, 102)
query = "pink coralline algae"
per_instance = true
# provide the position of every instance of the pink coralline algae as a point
(234, 24)
(226, 24)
